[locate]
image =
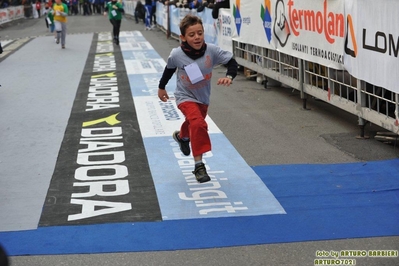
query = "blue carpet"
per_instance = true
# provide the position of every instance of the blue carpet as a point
(323, 202)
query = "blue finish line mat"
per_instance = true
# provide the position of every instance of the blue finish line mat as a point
(121, 184)
(323, 202)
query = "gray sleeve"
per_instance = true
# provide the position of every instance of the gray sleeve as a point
(171, 62)
(221, 56)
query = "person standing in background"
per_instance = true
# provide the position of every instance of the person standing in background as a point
(49, 13)
(75, 4)
(148, 14)
(139, 12)
(60, 20)
(218, 5)
(86, 5)
(153, 20)
(81, 12)
(38, 7)
(114, 10)
(93, 7)
(102, 6)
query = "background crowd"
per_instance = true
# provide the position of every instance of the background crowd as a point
(92, 7)
(7, 3)
(200, 5)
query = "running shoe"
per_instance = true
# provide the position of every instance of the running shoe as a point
(183, 144)
(200, 173)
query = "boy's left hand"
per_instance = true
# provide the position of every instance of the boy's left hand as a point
(225, 81)
(163, 95)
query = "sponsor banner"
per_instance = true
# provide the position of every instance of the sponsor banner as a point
(252, 22)
(180, 195)
(162, 15)
(102, 173)
(11, 13)
(224, 30)
(4, 15)
(210, 25)
(313, 30)
(129, 7)
(19, 11)
(372, 45)
(321, 31)
(176, 14)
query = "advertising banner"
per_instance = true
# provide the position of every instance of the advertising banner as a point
(372, 43)
(252, 22)
(313, 30)
(4, 16)
(210, 24)
(224, 30)
(161, 14)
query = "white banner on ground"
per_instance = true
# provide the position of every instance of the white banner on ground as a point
(372, 47)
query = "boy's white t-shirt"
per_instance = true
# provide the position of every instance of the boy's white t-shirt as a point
(199, 92)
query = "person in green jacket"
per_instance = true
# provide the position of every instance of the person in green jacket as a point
(115, 10)
(49, 17)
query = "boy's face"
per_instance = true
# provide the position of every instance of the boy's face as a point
(194, 36)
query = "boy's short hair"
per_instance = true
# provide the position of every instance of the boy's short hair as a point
(187, 21)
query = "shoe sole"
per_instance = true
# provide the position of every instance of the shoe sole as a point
(204, 179)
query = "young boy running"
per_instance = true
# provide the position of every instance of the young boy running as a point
(194, 61)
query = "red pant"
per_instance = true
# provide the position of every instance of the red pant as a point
(195, 127)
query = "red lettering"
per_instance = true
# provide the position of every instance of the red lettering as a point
(327, 23)
(293, 18)
(326, 29)
(309, 20)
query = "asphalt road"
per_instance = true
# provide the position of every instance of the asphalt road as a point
(266, 126)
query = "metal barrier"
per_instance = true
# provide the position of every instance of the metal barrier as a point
(337, 87)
